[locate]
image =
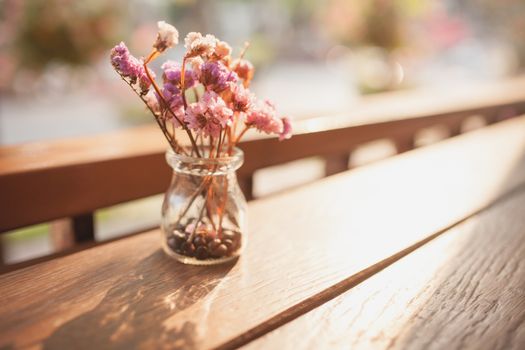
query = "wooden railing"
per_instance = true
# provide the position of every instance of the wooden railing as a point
(44, 181)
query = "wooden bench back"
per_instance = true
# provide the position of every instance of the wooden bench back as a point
(48, 180)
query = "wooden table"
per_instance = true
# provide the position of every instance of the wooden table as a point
(424, 250)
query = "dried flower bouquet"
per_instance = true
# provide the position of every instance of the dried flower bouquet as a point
(206, 96)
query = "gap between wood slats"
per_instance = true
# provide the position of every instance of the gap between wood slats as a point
(337, 289)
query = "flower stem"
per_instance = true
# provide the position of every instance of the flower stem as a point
(221, 209)
(161, 96)
(171, 138)
(201, 213)
(241, 134)
(182, 83)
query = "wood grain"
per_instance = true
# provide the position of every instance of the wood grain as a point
(50, 180)
(464, 290)
(127, 294)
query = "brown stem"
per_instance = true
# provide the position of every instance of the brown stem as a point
(230, 141)
(171, 139)
(154, 54)
(157, 90)
(217, 154)
(212, 147)
(197, 139)
(243, 52)
(221, 210)
(182, 83)
(208, 205)
(226, 134)
(193, 197)
(201, 213)
(241, 134)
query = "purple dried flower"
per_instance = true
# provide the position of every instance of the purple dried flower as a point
(130, 67)
(173, 98)
(124, 62)
(216, 77)
(172, 74)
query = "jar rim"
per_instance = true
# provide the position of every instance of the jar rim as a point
(235, 160)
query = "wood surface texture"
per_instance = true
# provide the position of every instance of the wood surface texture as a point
(305, 247)
(49, 180)
(464, 290)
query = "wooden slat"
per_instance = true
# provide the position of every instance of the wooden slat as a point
(44, 181)
(127, 294)
(465, 290)
(60, 179)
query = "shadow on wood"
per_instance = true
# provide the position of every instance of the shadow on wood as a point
(133, 311)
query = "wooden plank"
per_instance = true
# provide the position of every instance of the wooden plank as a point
(43, 181)
(127, 294)
(54, 192)
(464, 290)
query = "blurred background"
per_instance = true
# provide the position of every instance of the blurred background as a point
(312, 58)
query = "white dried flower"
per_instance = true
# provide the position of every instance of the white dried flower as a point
(196, 63)
(167, 36)
(198, 45)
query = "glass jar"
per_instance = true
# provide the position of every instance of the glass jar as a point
(203, 214)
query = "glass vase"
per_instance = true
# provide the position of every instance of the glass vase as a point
(203, 214)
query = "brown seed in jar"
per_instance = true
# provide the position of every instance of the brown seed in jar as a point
(171, 242)
(179, 237)
(199, 241)
(220, 251)
(228, 243)
(188, 248)
(236, 241)
(201, 253)
(227, 234)
(214, 244)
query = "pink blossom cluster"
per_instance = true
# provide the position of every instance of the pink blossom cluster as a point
(263, 117)
(209, 115)
(207, 94)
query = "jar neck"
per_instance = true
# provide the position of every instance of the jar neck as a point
(205, 166)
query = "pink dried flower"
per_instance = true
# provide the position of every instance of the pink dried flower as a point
(242, 99)
(167, 36)
(198, 45)
(215, 76)
(287, 129)
(222, 49)
(244, 69)
(210, 115)
(263, 118)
